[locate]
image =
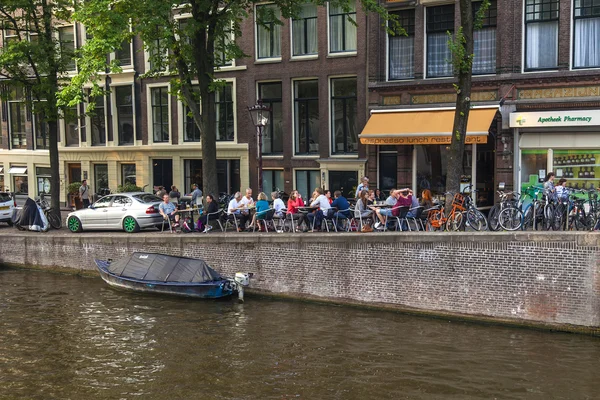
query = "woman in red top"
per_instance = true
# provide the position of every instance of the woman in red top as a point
(294, 202)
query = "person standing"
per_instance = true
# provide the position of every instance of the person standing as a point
(174, 195)
(84, 194)
(364, 185)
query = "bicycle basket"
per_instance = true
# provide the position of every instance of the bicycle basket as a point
(458, 201)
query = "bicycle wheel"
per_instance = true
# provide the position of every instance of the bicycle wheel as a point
(510, 219)
(581, 221)
(559, 217)
(477, 220)
(53, 219)
(528, 217)
(493, 218)
(455, 223)
(548, 216)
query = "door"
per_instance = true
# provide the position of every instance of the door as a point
(95, 217)
(118, 209)
(344, 181)
(74, 171)
(162, 173)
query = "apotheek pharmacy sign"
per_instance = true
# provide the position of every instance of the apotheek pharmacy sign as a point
(554, 119)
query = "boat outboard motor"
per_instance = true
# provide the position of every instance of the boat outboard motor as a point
(241, 279)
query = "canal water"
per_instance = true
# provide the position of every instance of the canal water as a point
(67, 337)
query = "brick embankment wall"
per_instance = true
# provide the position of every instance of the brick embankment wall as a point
(544, 278)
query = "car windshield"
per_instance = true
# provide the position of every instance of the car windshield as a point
(146, 198)
(4, 197)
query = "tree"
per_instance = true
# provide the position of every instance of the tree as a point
(462, 57)
(34, 62)
(182, 38)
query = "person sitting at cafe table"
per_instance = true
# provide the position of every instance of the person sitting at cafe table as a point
(235, 207)
(210, 213)
(168, 210)
(361, 211)
(328, 195)
(322, 206)
(371, 199)
(278, 204)
(262, 206)
(247, 200)
(382, 213)
(293, 203)
(341, 207)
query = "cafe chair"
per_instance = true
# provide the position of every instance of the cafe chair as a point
(215, 217)
(266, 221)
(167, 221)
(401, 220)
(344, 220)
(417, 220)
(231, 221)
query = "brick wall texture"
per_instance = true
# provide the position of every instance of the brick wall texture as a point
(545, 278)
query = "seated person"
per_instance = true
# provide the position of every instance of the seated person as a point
(234, 211)
(168, 210)
(262, 207)
(382, 213)
(278, 205)
(315, 219)
(294, 202)
(361, 211)
(342, 209)
(210, 213)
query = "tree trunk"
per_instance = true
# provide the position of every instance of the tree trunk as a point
(209, 142)
(54, 171)
(464, 67)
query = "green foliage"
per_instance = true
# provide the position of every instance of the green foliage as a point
(128, 187)
(73, 187)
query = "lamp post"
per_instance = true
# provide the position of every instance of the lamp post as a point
(260, 118)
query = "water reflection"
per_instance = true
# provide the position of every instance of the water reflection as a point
(64, 337)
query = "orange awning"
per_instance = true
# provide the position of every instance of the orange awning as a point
(424, 126)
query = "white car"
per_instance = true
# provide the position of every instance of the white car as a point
(128, 211)
(7, 207)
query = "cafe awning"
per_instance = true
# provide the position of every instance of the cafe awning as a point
(424, 126)
(17, 170)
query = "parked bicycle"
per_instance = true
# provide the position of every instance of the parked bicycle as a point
(52, 216)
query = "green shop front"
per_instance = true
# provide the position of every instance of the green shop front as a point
(566, 142)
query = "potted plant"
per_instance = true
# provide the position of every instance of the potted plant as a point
(73, 195)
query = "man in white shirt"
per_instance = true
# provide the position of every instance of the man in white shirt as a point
(234, 211)
(322, 202)
(247, 200)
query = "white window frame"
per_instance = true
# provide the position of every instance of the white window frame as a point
(149, 119)
(387, 50)
(256, 58)
(282, 170)
(129, 67)
(307, 56)
(220, 143)
(9, 119)
(341, 53)
(257, 92)
(34, 130)
(62, 126)
(88, 123)
(295, 186)
(524, 43)
(330, 116)
(70, 72)
(293, 103)
(572, 45)
(114, 113)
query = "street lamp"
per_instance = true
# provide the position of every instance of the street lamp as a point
(260, 118)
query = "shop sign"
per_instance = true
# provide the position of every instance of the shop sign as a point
(554, 119)
(471, 139)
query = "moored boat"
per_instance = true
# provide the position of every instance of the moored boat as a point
(164, 274)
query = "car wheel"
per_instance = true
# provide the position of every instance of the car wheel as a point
(130, 225)
(10, 223)
(74, 224)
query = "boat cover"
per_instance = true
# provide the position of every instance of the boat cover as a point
(163, 268)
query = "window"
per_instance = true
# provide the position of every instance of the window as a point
(402, 48)
(344, 181)
(268, 33)
(2, 187)
(101, 178)
(158, 53)
(484, 41)
(306, 116)
(21, 184)
(304, 31)
(224, 108)
(71, 127)
(222, 42)
(344, 136)
(124, 105)
(440, 21)
(228, 175)
(97, 122)
(43, 180)
(307, 181)
(128, 174)
(272, 181)
(586, 31)
(9, 35)
(41, 131)
(66, 37)
(123, 55)
(270, 94)
(342, 32)
(103, 202)
(541, 34)
(17, 115)
(160, 114)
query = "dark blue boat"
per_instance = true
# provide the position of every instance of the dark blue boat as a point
(160, 273)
